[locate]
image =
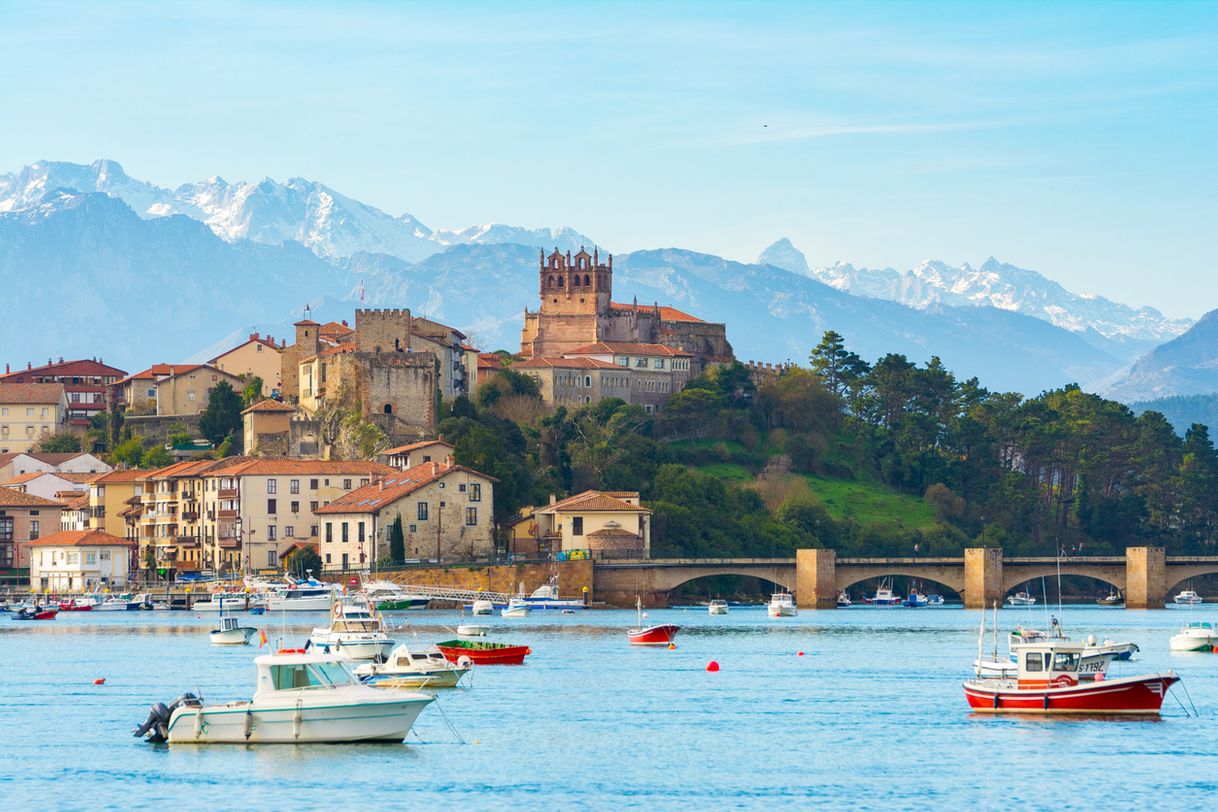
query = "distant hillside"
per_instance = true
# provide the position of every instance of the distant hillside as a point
(1183, 410)
(1186, 365)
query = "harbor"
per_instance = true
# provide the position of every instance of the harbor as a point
(866, 703)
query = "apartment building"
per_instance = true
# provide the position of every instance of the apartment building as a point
(24, 518)
(169, 389)
(86, 381)
(30, 413)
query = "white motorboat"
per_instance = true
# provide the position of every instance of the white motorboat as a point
(300, 698)
(1092, 648)
(1197, 636)
(843, 599)
(226, 602)
(308, 595)
(473, 630)
(934, 600)
(356, 631)
(482, 606)
(231, 632)
(546, 597)
(781, 605)
(717, 607)
(517, 607)
(415, 668)
(388, 596)
(1021, 599)
(884, 596)
(1189, 598)
(1112, 599)
(116, 603)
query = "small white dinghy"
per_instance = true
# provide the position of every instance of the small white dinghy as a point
(717, 607)
(473, 630)
(425, 667)
(300, 698)
(231, 632)
(482, 606)
(781, 605)
(517, 607)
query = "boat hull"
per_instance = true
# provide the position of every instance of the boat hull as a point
(318, 604)
(1189, 642)
(239, 636)
(401, 604)
(484, 653)
(717, 610)
(781, 611)
(446, 678)
(660, 635)
(1127, 695)
(312, 722)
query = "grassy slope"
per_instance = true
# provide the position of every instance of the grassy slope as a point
(866, 502)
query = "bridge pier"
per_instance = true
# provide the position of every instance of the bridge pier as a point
(982, 577)
(1145, 578)
(816, 579)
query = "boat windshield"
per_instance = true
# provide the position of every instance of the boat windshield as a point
(309, 675)
(1065, 661)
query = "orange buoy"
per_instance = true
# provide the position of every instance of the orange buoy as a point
(672, 646)
(99, 681)
(712, 666)
(800, 654)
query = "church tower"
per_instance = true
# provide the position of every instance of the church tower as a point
(575, 285)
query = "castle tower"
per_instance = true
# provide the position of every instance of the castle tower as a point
(575, 285)
(382, 330)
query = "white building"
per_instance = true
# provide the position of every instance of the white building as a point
(79, 561)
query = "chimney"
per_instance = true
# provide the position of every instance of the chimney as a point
(435, 468)
(553, 499)
(448, 462)
(253, 336)
(380, 484)
(6, 369)
(29, 365)
(344, 322)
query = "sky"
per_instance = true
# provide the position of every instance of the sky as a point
(1077, 139)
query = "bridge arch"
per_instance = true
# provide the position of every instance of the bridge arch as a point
(783, 578)
(848, 576)
(1178, 574)
(1014, 576)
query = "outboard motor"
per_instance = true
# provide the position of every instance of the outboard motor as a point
(156, 726)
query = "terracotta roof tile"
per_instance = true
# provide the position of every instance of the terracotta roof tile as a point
(666, 313)
(85, 367)
(14, 498)
(270, 405)
(376, 495)
(81, 538)
(402, 449)
(548, 362)
(31, 393)
(626, 348)
(285, 466)
(592, 501)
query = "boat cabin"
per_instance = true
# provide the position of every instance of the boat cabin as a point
(1051, 664)
(295, 671)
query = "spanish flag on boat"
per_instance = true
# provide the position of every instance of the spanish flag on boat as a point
(261, 638)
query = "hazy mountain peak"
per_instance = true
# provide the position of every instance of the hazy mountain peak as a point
(782, 254)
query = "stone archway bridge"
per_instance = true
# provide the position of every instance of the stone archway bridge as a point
(1145, 575)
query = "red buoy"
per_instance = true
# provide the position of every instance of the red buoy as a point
(800, 654)
(99, 681)
(712, 666)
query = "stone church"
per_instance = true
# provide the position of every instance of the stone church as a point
(577, 309)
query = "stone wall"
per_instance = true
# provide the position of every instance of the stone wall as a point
(573, 576)
(156, 426)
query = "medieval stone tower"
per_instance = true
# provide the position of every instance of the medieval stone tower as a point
(578, 284)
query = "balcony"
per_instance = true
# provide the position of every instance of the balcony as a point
(227, 531)
(186, 541)
(227, 493)
(230, 544)
(190, 515)
(226, 514)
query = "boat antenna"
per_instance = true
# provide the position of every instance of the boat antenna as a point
(1059, 584)
(995, 628)
(980, 642)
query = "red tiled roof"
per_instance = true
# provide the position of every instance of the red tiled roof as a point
(160, 371)
(130, 475)
(376, 495)
(21, 479)
(626, 348)
(84, 368)
(334, 330)
(14, 498)
(253, 339)
(270, 405)
(306, 323)
(594, 501)
(81, 538)
(666, 313)
(284, 466)
(31, 393)
(548, 362)
(402, 449)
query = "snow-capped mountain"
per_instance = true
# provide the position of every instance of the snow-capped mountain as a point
(993, 284)
(328, 223)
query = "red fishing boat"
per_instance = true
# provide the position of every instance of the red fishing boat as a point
(483, 653)
(75, 606)
(1048, 681)
(659, 635)
(36, 613)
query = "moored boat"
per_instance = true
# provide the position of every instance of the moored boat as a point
(231, 632)
(546, 597)
(884, 596)
(1113, 598)
(300, 698)
(307, 595)
(356, 631)
(661, 634)
(1188, 597)
(781, 604)
(916, 599)
(472, 630)
(1197, 636)
(717, 607)
(843, 599)
(483, 652)
(483, 606)
(35, 612)
(1047, 682)
(407, 667)
(517, 607)
(387, 596)
(1021, 599)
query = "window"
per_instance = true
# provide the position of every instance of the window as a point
(360, 535)
(151, 392)
(624, 361)
(345, 561)
(295, 507)
(312, 484)
(422, 514)
(346, 535)
(90, 558)
(346, 484)
(475, 492)
(73, 558)
(272, 558)
(1065, 661)
(461, 487)
(1034, 661)
(411, 529)
(104, 555)
(329, 532)
(640, 362)
(313, 506)
(35, 529)
(363, 482)
(313, 530)
(327, 558)
(29, 412)
(659, 363)
(587, 381)
(289, 531)
(271, 506)
(272, 485)
(471, 516)
(294, 486)
(271, 533)
(190, 395)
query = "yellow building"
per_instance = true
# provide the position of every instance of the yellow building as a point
(112, 498)
(29, 413)
(446, 511)
(169, 389)
(608, 524)
(257, 355)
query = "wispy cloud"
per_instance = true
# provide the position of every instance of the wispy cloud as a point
(767, 133)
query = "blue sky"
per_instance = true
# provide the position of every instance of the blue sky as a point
(1076, 139)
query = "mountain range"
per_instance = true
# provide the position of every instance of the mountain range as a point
(176, 273)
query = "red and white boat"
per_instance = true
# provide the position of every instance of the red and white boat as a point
(1048, 681)
(659, 635)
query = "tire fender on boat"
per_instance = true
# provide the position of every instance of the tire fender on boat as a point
(198, 722)
(296, 720)
(249, 723)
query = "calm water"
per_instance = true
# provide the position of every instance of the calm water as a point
(872, 716)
